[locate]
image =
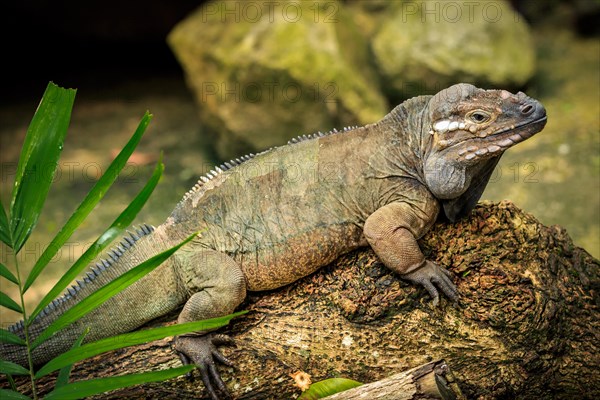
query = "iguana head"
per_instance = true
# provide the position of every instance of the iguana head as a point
(467, 130)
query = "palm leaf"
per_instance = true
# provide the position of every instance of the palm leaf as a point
(7, 274)
(9, 337)
(116, 228)
(78, 390)
(87, 205)
(9, 303)
(6, 394)
(4, 226)
(38, 161)
(65, 372)
(106, 292)
(10, 368)
(131, 339)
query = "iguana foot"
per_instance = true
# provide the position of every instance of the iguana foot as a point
(431, 275)
(202, 351)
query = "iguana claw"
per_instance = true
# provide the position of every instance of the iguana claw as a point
(431, 275)
(202, 351)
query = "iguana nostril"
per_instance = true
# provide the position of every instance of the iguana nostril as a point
(527, 109)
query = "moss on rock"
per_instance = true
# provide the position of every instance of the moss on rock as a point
(427, 46)
(254, 69)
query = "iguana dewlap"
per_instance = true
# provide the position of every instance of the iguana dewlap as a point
(272, 218)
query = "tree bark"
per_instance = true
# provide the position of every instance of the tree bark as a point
(526, 327)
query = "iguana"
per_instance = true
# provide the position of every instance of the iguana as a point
(272, 218)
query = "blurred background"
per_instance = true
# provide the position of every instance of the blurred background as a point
(226, 78)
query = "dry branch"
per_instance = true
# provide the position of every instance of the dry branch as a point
(430, 381)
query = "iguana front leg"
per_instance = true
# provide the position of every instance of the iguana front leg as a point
(392, 232)
(219, 286)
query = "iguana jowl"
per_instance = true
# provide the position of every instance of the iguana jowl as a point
(272, 218)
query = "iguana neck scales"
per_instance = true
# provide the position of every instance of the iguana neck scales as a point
(274, 217)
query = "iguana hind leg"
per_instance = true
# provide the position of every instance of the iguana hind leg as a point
(218, 286)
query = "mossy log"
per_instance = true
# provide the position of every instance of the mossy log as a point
(526, 327)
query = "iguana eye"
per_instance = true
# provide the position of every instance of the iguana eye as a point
(479, 117)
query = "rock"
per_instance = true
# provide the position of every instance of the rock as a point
(265, 72)
(426, 46)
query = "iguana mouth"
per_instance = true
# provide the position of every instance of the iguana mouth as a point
(499, 141)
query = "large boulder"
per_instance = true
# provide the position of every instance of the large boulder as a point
(265, 72)
(424, 46)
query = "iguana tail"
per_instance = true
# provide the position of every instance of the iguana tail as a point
(139, 303)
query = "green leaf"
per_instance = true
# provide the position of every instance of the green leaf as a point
(327, 387)
(106, 292)
(4, 227)
(11, 382)
(6, 394)
(9, 303)
(7, 274)
(10, 368)
(130, 339)
(88, 204)
(116, 228)
(9, 337)
(38, 161)
(78, 390)
(65, 372)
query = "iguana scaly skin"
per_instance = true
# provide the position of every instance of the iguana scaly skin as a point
(272, 218)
